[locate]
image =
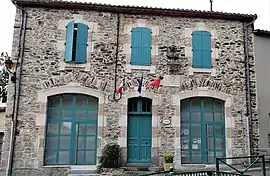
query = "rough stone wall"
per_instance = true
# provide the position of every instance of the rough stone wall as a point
(41, 71)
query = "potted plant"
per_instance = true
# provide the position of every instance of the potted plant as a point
(110, 156)
(168, 158)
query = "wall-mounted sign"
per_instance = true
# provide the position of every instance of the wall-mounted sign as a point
(166, 122)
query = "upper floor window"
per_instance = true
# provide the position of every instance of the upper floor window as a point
(76, 42)
(141, 46)
(201, 47)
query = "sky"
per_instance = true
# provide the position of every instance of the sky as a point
(259, 7)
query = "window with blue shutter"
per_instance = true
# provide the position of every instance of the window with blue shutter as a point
(141, 46)
(201, 47)
(76, 42)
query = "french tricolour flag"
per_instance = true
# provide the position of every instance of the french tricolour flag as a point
(121, 87)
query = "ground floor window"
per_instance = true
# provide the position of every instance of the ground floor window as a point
(202, 130)
(71, 133)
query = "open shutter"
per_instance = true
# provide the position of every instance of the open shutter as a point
(141, 46)
(206, 50)
(69, 41)
(81, 45)
(146, 46)
(197, 49)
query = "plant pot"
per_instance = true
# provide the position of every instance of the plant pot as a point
(167, 166)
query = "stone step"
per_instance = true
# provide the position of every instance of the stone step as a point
(136, 173)
(82, 172)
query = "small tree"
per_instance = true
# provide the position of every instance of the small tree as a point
(4, 77)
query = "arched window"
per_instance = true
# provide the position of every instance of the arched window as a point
(202, 130)
(71, 134)
(201, 47)
(141, 46)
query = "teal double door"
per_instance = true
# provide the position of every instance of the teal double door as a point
(71, 135)
(139, 131)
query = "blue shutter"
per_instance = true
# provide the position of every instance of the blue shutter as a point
(201, 46)
(81, 45)
(206, 50)
(141, 46)
(196, 48)
(69, 41)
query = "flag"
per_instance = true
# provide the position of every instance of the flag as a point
(121, 87)
(155, 83)
(140, 81)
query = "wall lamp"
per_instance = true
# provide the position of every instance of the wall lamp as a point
(9, 66)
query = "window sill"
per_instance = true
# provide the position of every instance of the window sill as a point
(130, 67)
(211, 71)
(65, 65)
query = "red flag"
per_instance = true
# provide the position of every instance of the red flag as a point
(121, 87)
(155, 83)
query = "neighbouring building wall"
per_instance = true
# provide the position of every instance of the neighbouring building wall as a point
(45, 74)
(262, 54)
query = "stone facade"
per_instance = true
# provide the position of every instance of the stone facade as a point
(44, 73)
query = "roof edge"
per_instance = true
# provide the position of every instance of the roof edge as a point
(260, 32)
(59, 4)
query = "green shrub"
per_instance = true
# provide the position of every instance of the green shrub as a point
(110, 156)
(168, 157)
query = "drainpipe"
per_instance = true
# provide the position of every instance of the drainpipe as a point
(248, 98)
(17, 94)
(116, 55)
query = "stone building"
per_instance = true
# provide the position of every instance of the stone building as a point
(262, 53)
(71, 57)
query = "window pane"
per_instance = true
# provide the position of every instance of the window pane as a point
(91, 129)
(220, 154)
(208, 104)
(146, 105)
(67, 114)
(63, 157)
(184, 116)
(218, 105)
(196, 143)
(195, 129)
(196, 157)
(54, 102)
(82, 129)
(67, 101)
(52, 128)
(184, 129)
(80, 101)
(185, 105)
(219, 117)
(54, 114)
(81, 114)
(65, 128)
(196, 116)
(80, 157)
(185, 157)
(219, 131)
(184, 143)
(195, 103)
(50, 157)
(220, 143)
(208, 116)
(90, 157)
(132, 105)
(92, 115)
(211, 157)
(64, 142)
(81, 142)
(92, 102)
(210, 143)
(210, 130)
(52, 142)
(90, 142)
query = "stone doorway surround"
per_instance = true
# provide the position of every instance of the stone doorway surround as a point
(42, 116)
(122, 140)
(203, 92)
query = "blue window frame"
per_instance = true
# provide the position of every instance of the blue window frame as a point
(76, 42)
(141, 46)
(201, 48)
(202, 130)
(71, 132)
